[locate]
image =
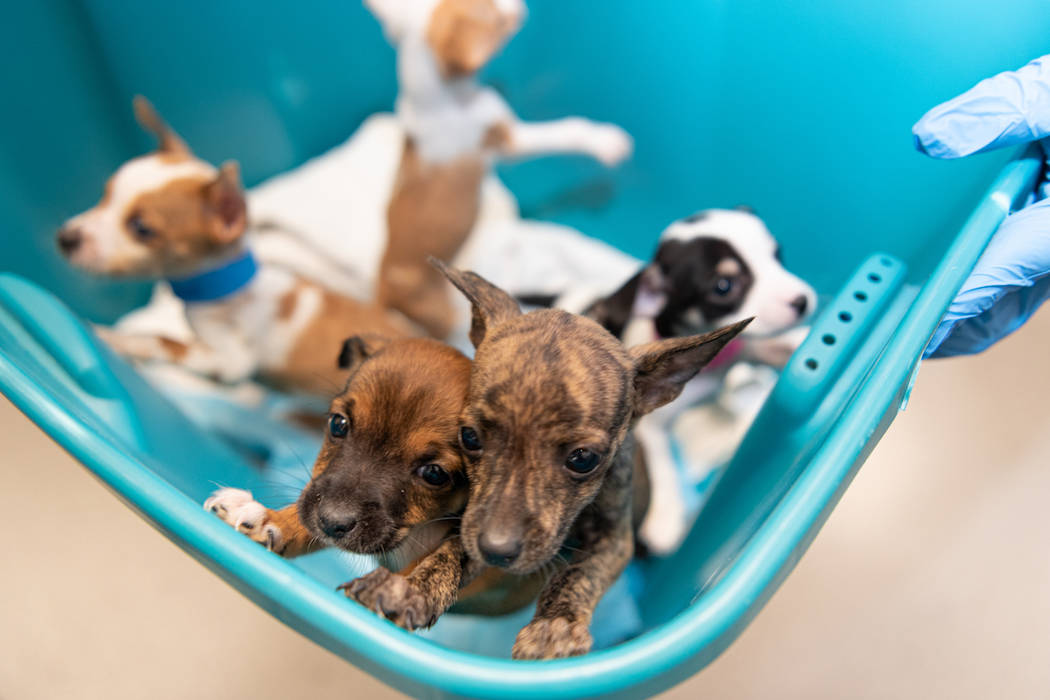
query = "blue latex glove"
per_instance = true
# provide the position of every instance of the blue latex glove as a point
(1012, 278)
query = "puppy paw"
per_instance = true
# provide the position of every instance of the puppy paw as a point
(133, 347)
(394, 597)
(610, 144)
(552, 638)
(238, 509)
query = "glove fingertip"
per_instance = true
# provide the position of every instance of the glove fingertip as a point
(927, 142)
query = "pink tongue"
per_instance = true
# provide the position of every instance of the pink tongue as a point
(647, 304)
(728, 354)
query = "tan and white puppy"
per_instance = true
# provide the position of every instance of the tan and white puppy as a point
(454, 129)
(170, 215)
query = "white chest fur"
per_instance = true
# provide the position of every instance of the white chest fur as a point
(446, 119)
(246, 328)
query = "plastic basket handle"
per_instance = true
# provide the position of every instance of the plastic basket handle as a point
(65, 338)
(836, 334)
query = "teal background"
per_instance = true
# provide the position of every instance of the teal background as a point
(801, 110)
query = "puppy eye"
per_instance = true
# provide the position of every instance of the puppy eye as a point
(140, 230)
(582, 461)
(468, 437)
(433, 474)
(723, 286)
(338, 425)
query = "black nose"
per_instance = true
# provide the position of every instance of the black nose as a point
(336, 526)
(799, 304)
(499, 547)
(69, 239)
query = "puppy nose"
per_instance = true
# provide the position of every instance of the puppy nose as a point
(69, 239)
(336, 526)
(499, 547)
(799, 304)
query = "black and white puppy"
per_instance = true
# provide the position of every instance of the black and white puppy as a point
(710, 269)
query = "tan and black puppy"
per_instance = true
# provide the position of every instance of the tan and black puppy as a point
(389, 480)
(549, 457)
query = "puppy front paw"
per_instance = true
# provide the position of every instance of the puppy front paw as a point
(552, 638)
(133, 347)
(610, 144)
(394, 597)
(238, 509)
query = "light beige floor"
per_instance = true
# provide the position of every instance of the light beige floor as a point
(930, 580)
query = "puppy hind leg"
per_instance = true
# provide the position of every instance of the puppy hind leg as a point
(421, 294)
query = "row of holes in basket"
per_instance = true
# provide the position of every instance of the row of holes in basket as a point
(846, 316)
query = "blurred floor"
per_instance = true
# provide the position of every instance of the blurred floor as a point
(930, 580)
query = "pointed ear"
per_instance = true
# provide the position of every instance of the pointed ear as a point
(147, 117)
(225, 200)
(489, 305)
(663, 367)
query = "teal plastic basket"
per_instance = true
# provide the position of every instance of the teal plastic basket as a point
(801, 110)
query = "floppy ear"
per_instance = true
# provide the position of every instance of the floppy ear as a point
(614, 311)
(663, 367)
(354, 352)
(489, 305)
(148, 119)
(225, 199)
(358, 348)
(645, 292)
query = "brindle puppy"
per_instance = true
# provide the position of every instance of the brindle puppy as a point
(546, 433)
(389, 480)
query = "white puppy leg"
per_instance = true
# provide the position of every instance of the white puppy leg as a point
(664, 525)
(235, 364)
(607, 143)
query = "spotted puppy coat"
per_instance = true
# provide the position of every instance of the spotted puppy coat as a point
(546, 432)
(389, 481)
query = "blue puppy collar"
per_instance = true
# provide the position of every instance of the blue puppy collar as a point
(218, 282)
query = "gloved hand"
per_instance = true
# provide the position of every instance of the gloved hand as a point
(1012, 278)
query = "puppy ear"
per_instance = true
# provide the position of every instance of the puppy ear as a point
(663, 367)
(354, 351)
(225, 200)
(614, 311)
(148, 119)
(489, 305)
(358, 348)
